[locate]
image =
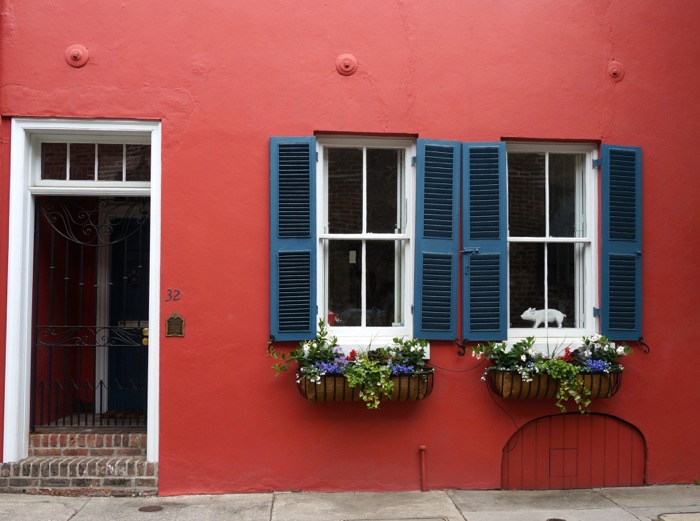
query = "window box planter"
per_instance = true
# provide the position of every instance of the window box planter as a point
(335, 388)
(510, 385)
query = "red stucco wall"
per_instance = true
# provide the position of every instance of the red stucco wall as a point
(223, 77)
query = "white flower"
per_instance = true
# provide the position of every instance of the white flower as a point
(523, 357)
(620, 350)
(595, 337)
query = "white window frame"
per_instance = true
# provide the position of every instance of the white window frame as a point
(25, 183)
(550, 339)
(367, 337)
(103, 139)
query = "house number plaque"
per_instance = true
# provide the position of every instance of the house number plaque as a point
(175, 325)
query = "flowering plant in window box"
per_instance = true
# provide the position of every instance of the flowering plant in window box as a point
(590, 370)
(325, 373)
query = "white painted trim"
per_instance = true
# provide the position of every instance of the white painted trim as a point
(548, 338)
(126, 188)
(367, 337)
(19, 276)
(153, 407)
(19, 291)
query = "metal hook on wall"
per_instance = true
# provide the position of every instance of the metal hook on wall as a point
(462, 346)
(646, 348)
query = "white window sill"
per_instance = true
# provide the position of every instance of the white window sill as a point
(368, 339)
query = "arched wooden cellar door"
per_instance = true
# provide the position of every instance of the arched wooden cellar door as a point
(574, 451)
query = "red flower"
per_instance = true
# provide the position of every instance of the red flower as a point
(567, 356)
(352, 355)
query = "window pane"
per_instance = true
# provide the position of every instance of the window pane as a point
(526, 265)
(345, 282)
(382, 176)
(562, 195)
(527, 285)
(53, 160)
(82, 161)
(138, 162)
(344, 190)
(110, 159)
(561, 263)
(381, 280)
(526, 195)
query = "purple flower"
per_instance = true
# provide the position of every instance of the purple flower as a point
(335, 367)
(400, 368)
(596, 366)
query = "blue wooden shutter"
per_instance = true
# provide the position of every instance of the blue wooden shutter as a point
(293, 238)
(437, 236)
(484, 242)
(621, 262)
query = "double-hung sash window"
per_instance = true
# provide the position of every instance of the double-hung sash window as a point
(365, 230)
(552, 227)
(361, 237)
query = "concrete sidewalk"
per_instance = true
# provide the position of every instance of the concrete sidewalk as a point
(656, 503)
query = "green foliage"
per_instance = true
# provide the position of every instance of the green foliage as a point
(372, 376)
(570, 385)
(370, 371)
(595, 354)
(324, 348)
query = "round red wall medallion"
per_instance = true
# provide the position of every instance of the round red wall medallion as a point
(346, 64)
(616, 70)
(76, 55)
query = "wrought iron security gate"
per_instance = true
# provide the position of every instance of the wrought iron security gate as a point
(90, 312)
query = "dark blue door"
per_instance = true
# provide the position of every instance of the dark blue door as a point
(128, 315)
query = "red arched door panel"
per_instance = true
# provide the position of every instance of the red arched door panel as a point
(574, 451)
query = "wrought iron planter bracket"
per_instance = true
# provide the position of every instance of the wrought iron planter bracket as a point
(645, 347)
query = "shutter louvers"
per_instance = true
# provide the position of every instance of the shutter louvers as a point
(484, 292)
(621, 300)
(294, 190)
(294, 290)
(437, 196)
(292, 238)
(484, 240)
(436, 289)
(484, 193)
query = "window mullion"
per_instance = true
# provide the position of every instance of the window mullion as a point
(546, 195)
(546, 283)
(97, 149)
(546, 235)
(363, 286)
(363, 272)
(67, 176)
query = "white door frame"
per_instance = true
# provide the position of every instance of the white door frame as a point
(24, 185)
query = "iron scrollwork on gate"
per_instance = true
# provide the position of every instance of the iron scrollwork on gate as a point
(97, 226)
(90, 304)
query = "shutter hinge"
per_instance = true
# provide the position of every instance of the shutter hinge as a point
(413, 160)
(470, 251)
(317, 156)
(596, 312)
(597, 163)
(411, 309)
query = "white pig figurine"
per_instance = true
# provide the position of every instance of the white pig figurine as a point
(537, 316)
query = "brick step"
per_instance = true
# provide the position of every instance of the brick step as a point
(88, 444)
(81, 475)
